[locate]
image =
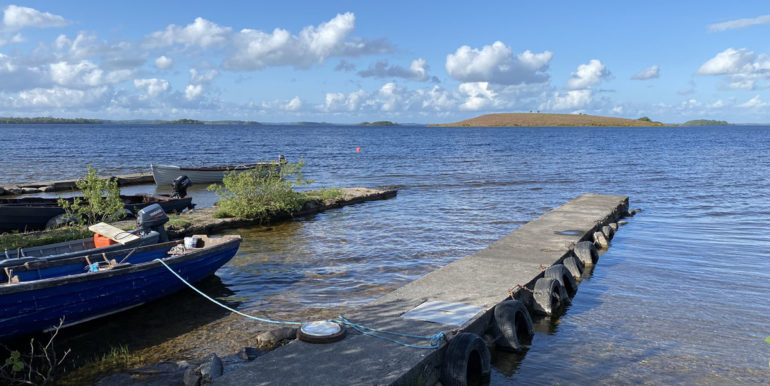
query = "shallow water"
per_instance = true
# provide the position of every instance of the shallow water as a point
(680, 297)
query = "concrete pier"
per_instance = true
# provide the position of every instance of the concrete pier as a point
(68, 185)
(481, 280)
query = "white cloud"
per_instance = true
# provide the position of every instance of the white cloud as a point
(153, 87)
(587, 75)
(436, 99)
(478, 96)
(755, 102)
(340, 102)
(85, 74)
(192, 91)
(569, 100)
(417, 71)
(732, 61)
(648, 73)
(62, 97)
(202, 78)
(497, 64)
(15, 18)
(164, 62)
(739, 23)
(16, 38)
(294, 104)
(201, 32)
(256, 49)
(390, 97)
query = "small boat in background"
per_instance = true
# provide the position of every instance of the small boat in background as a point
(165, 174)
(34, 213)
(35, 296)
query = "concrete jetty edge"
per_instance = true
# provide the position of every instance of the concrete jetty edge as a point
(482, 280)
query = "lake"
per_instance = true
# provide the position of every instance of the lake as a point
(682, 296)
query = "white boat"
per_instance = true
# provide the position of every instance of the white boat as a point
(165, 174)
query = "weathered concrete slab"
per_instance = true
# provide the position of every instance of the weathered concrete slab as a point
(67, 185)
(482, 279)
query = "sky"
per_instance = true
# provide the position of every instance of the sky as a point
(402, 61)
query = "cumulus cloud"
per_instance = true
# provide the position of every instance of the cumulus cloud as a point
(16, 38)
(192, 91)
(743, 68)
(201, 32)
(417, 71)
(163, 62)
(294, 104)
(85, 74)
(478, 96)
(570, 100)
(336, 102)
(153, 87)
(587, 75)
(497, 64)
(314, 44)
(739, 23)
(648, 73)
(202, 78)
(755, 102)
(345, 66)
(62, 97)
(16, 18)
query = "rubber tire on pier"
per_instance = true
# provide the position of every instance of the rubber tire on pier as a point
(466, 361)
(548, 296)
(600, 240)
(586, 252)
(609, 233)
(512, 326)
(574, 266)
(562, 274)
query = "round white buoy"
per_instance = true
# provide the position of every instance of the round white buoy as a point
(322, 331)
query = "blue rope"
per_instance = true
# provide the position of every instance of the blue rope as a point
(222, 305)
(434, 340)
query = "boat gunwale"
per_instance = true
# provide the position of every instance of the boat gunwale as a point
(33, 285)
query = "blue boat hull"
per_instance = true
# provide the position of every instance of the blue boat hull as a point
(44, 296)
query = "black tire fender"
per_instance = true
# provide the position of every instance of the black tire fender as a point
(512, 326)
(562, 274)
(574, 266)
(466, 361)
(586, 252)
(547, 295)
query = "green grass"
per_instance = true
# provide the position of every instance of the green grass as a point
(325, 194)
(32, 239)
(177, 221)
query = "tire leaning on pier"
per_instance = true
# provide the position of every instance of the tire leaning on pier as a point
(562, 274)
(512, 326)
(466, 361)
(548, 296)
(586, 252)
(575, 266)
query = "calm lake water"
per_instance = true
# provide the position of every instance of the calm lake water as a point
(682, 296)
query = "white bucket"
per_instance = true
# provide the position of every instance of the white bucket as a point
(191, 242)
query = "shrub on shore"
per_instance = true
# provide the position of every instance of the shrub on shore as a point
(100, 202)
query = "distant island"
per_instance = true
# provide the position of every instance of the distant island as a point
(47, 120)
(550, 120)
(378, 123)
(705, 122)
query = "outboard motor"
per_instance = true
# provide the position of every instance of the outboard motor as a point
(180, 186)
(152, 218)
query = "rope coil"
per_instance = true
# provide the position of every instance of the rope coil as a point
(434, 340)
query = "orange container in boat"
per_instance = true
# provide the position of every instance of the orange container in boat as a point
(101, 241)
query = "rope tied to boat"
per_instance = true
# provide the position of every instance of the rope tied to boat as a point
(434, 340)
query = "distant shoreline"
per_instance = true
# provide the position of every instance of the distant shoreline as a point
(549, 120)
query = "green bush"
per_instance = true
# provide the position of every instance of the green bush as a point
(261, 192)
(100, 202)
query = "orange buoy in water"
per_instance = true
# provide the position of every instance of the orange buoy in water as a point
(358, 149)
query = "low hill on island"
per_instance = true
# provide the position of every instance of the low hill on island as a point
(549, 120)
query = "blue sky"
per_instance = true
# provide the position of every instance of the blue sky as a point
(404, 61)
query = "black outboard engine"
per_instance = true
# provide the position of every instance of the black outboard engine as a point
(180, 186)
(152, 218)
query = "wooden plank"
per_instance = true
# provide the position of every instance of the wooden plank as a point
(113, 233)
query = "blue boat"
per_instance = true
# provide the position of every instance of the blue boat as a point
(36, 295)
